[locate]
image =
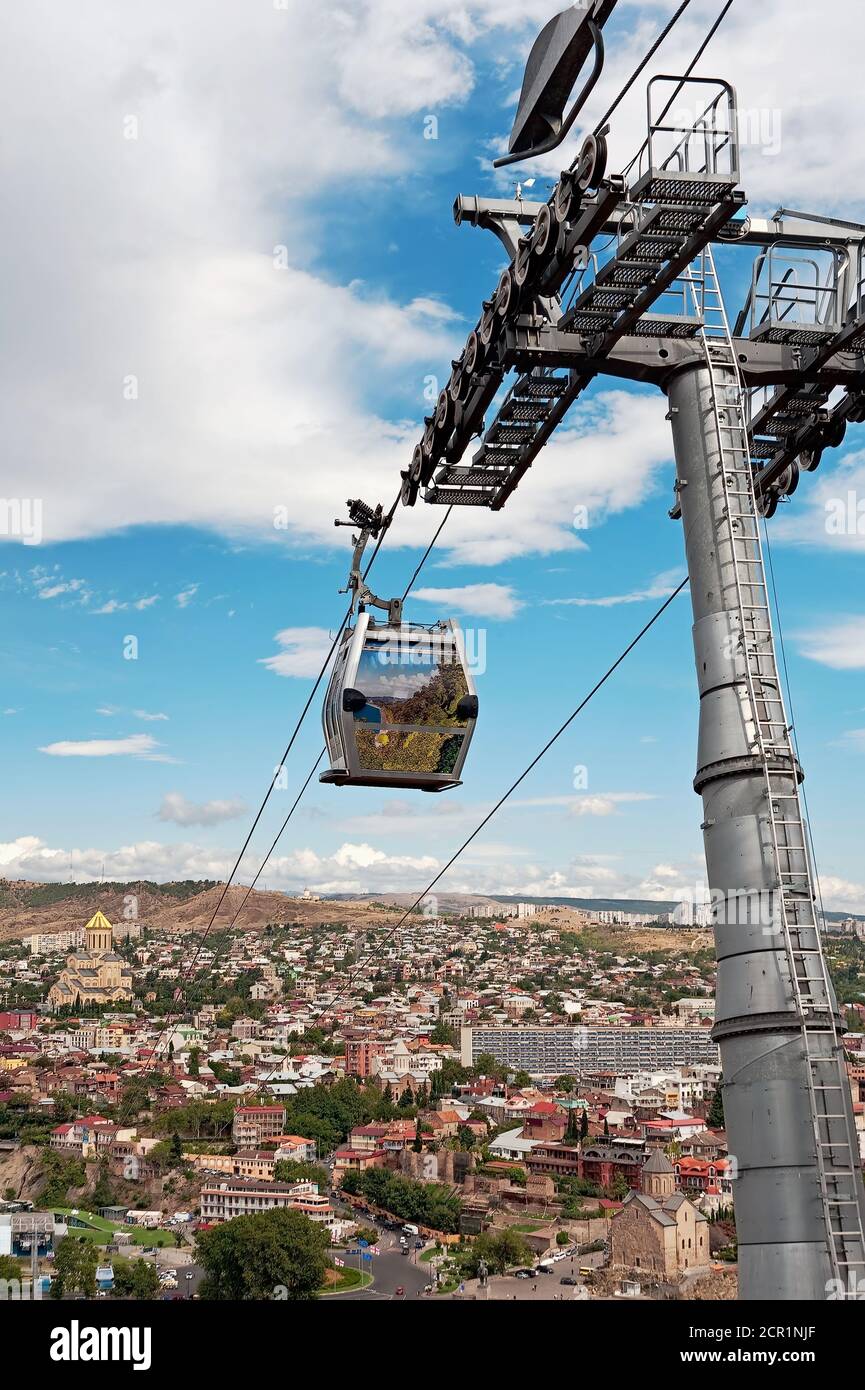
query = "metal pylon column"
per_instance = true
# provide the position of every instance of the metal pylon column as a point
(798, 1190)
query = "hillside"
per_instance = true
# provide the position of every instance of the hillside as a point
(37, 907)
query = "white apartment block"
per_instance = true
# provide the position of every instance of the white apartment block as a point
(46, 943)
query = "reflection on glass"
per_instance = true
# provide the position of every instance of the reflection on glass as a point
(411, 683)
(389, 750)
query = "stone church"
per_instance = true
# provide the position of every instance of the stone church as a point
(94, 974)
(658, 1231)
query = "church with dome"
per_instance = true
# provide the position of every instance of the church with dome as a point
(94, 973)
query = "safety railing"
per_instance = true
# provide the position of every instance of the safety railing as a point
(688, 134)
(793, 290)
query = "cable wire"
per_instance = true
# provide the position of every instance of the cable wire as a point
(277, 770)
(793, 728)
(683, 79)
(262, 866)
(188, 978)
(498, 805)
(671, 24)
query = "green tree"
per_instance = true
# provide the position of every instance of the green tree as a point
(294, 1170)
(252, 1257)
(9, 1268)
(619, 1188)
(584, 1124)
(103, 1193)
(74, 1270)
(499, 1252)
(135, 1279)
(715, 1117)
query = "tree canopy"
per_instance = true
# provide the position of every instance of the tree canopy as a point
(253, 1256)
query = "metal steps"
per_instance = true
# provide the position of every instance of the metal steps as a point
(669, 219)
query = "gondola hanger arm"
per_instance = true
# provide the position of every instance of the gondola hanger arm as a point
(370, 522)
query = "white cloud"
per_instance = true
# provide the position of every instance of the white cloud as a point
(175, 807)
(65, 586)
(352, 868)
(305, 649)
(828, 508)
(142, 603)
(660, 587)
(840, 895)
(148, 717)
(185, 597)
(210, 327)
(479, 600)
(665, 871)
(134, 746)
(583, 804)
(839, 644)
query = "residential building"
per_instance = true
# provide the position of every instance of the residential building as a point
(554, 1051)
(254, 1123)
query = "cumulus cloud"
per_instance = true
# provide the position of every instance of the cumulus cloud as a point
(303, 654)
(356, 867)
(839, 644)
(178, 809)
(479, 600)
(134, 746)
(660, 587)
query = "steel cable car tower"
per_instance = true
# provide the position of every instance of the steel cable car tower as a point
(615, 275)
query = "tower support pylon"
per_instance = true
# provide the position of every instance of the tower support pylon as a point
(787, 1104)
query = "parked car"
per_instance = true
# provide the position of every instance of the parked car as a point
(524, 1274)
(419, 1244)
(568, 1279)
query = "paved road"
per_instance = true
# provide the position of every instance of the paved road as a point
(391, 1271)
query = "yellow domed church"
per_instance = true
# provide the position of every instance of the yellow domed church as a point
(94, 974)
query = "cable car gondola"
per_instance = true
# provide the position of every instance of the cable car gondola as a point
(401, 705)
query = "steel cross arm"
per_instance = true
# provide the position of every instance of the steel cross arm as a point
(796, 229)
(530, 344)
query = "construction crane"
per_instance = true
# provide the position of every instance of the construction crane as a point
(615, 275)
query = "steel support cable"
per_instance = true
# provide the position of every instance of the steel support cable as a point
(670, 25)
(683, 79)
(427, 552)
(793, 729)
(188, 977)
(188, 972)
(501, 801)
(315, 765)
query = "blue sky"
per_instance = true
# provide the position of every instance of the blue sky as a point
(238, 315)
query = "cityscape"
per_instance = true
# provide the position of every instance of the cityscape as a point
(498, 1100)
(431, 652)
